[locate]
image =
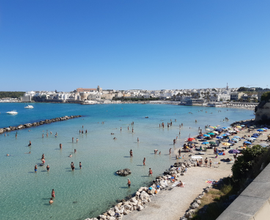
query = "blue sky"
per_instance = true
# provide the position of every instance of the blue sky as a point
(133, 44)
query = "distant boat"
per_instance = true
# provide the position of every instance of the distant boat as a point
(29, 106)
(12, 112)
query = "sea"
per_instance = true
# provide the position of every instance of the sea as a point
(91, 190)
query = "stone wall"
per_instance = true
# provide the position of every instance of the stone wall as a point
(253, 203)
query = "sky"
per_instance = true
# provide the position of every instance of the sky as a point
(133, 44)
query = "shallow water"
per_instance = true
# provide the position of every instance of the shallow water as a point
(93, 189)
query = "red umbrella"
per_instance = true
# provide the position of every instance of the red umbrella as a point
(190, 139)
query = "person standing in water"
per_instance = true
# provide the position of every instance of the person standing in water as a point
(129, 183)
(51, 201)
(60, 145)
(29, 145)
(48, 168)
(150, 172)
(144, 161)
(131, 153)
(35, 168)
(80, 165)
(53, 193)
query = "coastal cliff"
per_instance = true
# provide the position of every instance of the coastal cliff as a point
(263, 113)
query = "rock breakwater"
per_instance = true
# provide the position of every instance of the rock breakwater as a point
(35, 124)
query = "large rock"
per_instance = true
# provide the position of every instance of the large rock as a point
(144, 195)
(123, 172)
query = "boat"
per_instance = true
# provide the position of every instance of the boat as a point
(29, 106)
(12, 112)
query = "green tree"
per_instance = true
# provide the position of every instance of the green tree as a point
(265, 96)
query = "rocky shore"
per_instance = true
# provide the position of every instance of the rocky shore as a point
(35, 124)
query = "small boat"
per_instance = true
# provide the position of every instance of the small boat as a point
(12, 112)
(29, 106)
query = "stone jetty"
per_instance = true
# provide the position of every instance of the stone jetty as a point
(35, 124)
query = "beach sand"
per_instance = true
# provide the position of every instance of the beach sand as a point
(172, 204)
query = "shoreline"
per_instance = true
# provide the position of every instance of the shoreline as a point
(239, 105)
(158, 200)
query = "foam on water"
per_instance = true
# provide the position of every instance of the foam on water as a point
(93, 189)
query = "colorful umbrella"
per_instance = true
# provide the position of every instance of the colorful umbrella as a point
(234, 151)
(236, 137)
(247, 142)
(205, 142)
(213, 143)
(218, 137)
(211, 133)
(226, 144)
(206, 135)
(190, 139)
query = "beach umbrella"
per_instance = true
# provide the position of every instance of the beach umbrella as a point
(265, 128)
(243, 125)
(218, 137)
(226, 144)
(219, 129)
(234, 151)
(206, 135)
(190, 139)
(215, 132)
(251, 138)
(212, 142)
(200, 137)
(238, 126)
(205, 142)
(247, 142)
(225, 135)
(211, 133)
(236, 137)
(207, 129)
(261, 129)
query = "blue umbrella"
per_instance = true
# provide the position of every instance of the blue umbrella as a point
(265, 128)
(236, 137)
(205, 142)
(224, 135)
(218, 137)
(206, 135)
(260, 129)
(247, 142)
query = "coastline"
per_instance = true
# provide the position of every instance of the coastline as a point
(174, 202)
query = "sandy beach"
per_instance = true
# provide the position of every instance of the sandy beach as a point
(172, 204)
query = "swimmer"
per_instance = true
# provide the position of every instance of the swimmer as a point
(82, 131)
(70, 155)
(72, 139)
(85, 131)
(48, 167)
(150, 172)
(53, 193)
(16, 135)
(132, 130)
(138, 139)
(55, 134)
(75, 151)
(50, 132)
(7, 155)
(29, 145)
(131, 153)
(51, 201)
(43, 156)
(72, 166)
(35, 168)
(159, 152)
(155, 151)
(43, 161)
(77, 140)
(114, 138)
(80, 165)
(60, 145)
(42, 135)
(144, 161)
(129, 183)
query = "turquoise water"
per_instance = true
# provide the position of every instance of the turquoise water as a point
(95, 188)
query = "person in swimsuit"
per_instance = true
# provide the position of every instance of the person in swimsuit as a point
(35, 168)
(29, 145)
(144, 161)
(53, 193)
(80, 165)
(72, 166)
(129, 183)
(206, 161)
(210, 162)
(51, 201)
(150, 172)
(131, 153)
(48, 167)
(72, 139)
